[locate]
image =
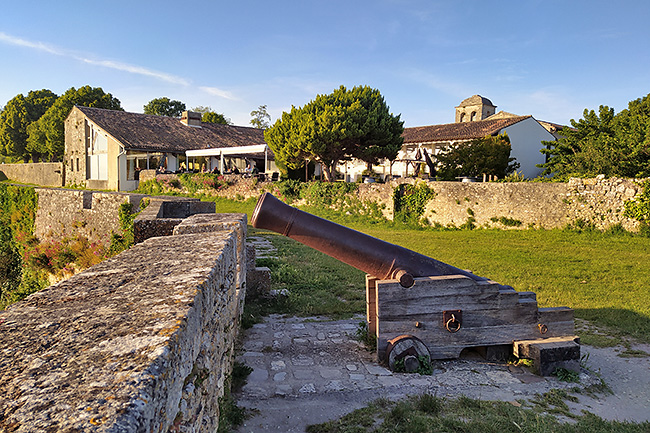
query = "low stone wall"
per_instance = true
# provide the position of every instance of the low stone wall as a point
(164, 213)
(142, 342)
(42, 173)
(92, 214)
(598, 201)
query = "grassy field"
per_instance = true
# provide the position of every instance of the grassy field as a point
(605, 277)
(426, 413)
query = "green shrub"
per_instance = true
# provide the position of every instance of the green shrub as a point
(410, 201)
(639, 208)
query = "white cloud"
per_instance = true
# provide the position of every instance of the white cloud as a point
(11, 40)
(110, 64)
(214, 91)
(134, 69)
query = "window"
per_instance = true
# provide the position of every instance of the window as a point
(473, 118)
(462, 117)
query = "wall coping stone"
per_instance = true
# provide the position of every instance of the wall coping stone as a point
(113, 349)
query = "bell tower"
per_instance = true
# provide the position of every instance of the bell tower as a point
(474, 108)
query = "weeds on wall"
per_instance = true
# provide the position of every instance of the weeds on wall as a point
(17, 215)
(124, 240)
(410, 201)
(639, 209)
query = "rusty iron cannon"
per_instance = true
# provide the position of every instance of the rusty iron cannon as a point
(420, 308)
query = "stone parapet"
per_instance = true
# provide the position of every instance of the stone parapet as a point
(41, 173)
(163, 214)
(140, 342)
(91, 214)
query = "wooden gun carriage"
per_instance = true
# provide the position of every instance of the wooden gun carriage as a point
(420, 307)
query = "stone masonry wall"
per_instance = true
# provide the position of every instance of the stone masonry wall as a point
(142, 342)
(598, 201)
(42, 173)
(164, 213)
(93, 214)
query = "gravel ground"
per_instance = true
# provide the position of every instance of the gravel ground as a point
(310, 370)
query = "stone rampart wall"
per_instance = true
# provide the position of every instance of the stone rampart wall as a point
(142, 342)
(92, 214)
(42, 173)
(598, 201)
(164, 213)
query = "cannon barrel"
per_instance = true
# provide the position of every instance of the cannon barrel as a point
(371, 255)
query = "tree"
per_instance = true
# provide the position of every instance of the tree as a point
(261, 118)
(46, 136)
(336, 127)
(603, 143)
(488, 155)
(17, 115)
(164, 107)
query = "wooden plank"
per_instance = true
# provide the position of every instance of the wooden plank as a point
(472, 317)
(447, 292)
(555, 314)
(371, 304)
(472, 337)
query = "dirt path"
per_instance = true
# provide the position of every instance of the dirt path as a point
(310, 370)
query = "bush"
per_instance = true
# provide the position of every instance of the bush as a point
(639, 208)
(410, 202)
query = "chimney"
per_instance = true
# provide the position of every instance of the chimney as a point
(190, 118)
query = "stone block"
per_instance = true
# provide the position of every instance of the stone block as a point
(258, 281)
(550, 354)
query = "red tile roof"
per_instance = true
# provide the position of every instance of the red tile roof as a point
(458, 131)
(167, 134)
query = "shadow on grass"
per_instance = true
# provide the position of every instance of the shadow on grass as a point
(626, 322)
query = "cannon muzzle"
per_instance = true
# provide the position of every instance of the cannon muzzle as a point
(373, 256)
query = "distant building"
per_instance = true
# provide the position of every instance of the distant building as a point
(476, 117)
(106, 149)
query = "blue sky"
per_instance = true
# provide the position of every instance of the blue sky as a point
(551, 59)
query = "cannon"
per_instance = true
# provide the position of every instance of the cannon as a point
(419, 308)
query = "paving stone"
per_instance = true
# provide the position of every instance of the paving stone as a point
(283, 390)
(307, 388)
(278, 365)
(302, 360)
(502, 377)
(303, 374)
(258, 375)
(378, 370)
(334, 385)
(330, 373)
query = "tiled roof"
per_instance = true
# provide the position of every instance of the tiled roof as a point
(458, 131)
(167, 134)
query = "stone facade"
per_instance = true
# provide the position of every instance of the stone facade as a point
(141, 342)
(76, 131)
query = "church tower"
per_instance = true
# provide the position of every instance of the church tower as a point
(474, 108)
